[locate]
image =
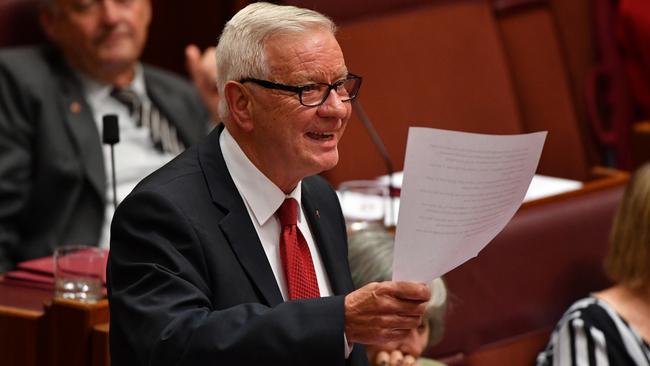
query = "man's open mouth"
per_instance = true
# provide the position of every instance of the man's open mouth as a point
(324, 136)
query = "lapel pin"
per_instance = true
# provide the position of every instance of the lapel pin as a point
(75, 107)
(317, 214)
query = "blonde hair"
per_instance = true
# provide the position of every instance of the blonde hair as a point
(241, 46)
(628, 259)
(370, 254)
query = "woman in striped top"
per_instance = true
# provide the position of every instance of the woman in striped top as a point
(612, 327)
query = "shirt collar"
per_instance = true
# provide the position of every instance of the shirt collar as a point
(96, 90)
(261, 195)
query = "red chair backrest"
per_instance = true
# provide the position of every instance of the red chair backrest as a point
(19, 23)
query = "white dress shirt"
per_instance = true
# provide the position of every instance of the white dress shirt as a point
(262, 199)
(135, 155)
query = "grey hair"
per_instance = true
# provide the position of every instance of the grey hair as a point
(370, 253)
(241, 46)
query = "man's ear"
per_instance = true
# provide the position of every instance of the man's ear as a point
(239, 102)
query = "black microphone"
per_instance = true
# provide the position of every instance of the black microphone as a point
(381, 148)
(111, 136)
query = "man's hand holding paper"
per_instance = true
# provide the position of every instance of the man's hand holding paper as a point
(380, 312)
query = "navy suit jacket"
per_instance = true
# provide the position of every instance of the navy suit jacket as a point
(52, 174)
(190, 284)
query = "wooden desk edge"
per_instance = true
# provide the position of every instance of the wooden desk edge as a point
(605, 179)
(19, 312)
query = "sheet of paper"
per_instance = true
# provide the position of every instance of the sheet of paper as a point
(458, 192)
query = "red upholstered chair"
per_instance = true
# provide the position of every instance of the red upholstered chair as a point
(482, 66)
(548, 256)
(424, 66)
(19, 23)
(541, 79)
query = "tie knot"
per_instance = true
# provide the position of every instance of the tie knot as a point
(288, 212)
(127, 97)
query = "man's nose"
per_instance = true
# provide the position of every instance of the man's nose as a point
(110, 11)
(333, 107)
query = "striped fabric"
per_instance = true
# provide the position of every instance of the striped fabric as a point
(591, 333)
(163, 134)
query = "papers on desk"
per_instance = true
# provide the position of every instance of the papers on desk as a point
(544, 186)
(541, 186)
(39, 273)
(459, 191)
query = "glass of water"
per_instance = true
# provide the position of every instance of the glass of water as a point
(79, 272)
(363, 203)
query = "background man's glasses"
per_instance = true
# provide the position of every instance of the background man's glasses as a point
(313, 95)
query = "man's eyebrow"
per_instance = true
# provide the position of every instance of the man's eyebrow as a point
(344, 73)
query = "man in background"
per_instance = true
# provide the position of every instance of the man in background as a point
(54, 185)
(235, 253)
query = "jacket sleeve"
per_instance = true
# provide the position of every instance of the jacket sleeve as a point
(15, 161)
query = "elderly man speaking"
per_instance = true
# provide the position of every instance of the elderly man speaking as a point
(235, 253)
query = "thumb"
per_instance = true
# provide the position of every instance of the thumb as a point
(192, 60)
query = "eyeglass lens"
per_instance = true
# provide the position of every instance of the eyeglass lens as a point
(317, 93)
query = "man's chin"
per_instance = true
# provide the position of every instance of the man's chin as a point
(118, 55)
(327, 163)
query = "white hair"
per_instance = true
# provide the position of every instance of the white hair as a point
(241, 46)
(370, 254)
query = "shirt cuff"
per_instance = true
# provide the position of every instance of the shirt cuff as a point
(348, 346)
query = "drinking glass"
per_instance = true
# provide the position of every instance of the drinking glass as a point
(363, 203)
(78, 273)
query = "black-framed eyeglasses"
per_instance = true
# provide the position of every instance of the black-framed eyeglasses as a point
(313, 95)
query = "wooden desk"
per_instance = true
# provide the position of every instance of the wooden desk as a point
(100, 355)
(23, 325)
(70, 330)
(37, 330)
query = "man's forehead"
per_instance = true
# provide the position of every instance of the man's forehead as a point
(320, 75)
(313, 55)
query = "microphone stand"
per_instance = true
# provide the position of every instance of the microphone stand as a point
(381, 148)
(113, 176)
(111, 136)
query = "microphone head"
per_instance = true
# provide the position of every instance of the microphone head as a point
(111, 129)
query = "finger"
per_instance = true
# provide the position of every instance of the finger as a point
(396, 322)
(382, 358)
(409, 360)
(396, 358)
(193, 61)
(393, 335)
(407, 290)
(209, 64)
(209, 58)
(391, 305)
(410, 308)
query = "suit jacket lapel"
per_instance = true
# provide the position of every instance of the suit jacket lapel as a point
(328, 240)
(236, 224)
(80, 121)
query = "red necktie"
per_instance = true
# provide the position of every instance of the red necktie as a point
(296, 259)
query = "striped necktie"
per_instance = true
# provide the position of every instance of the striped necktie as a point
(163, 134)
